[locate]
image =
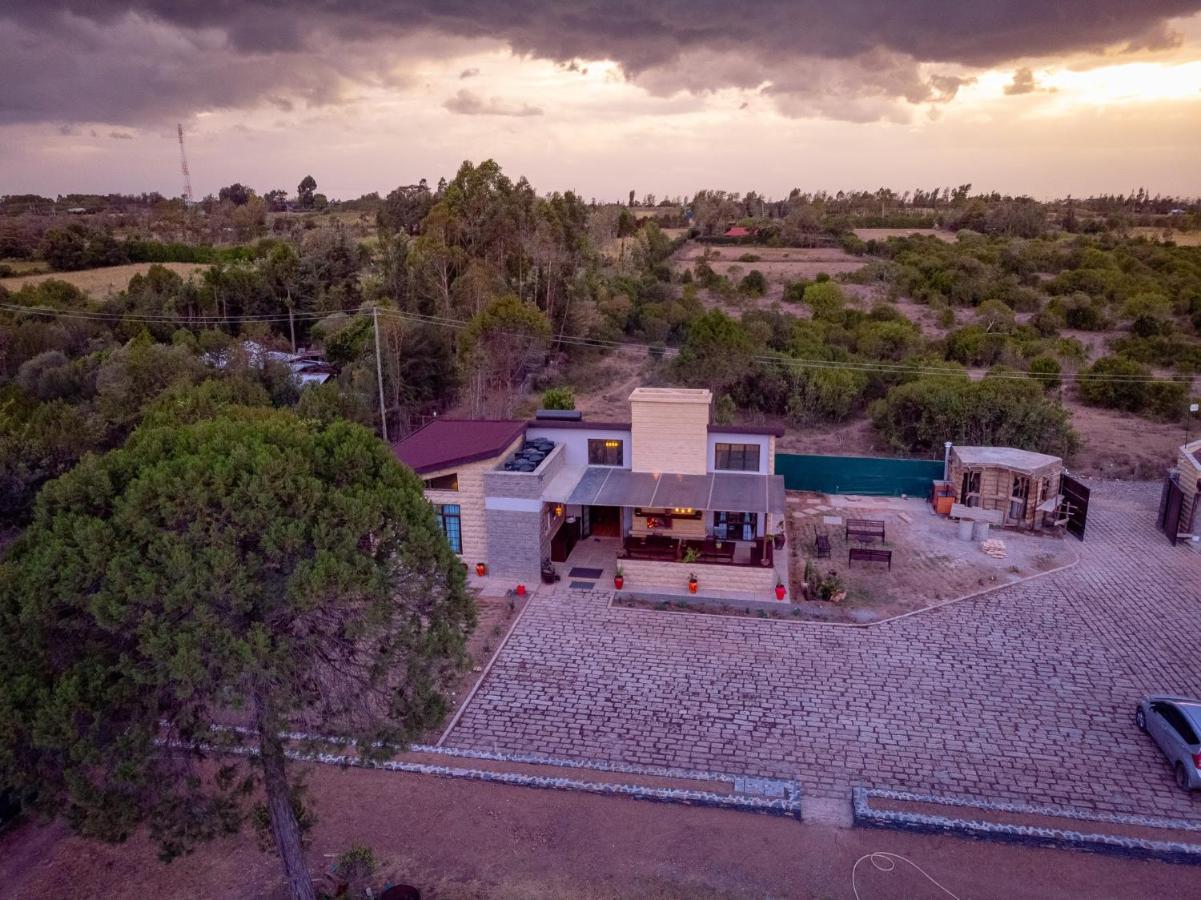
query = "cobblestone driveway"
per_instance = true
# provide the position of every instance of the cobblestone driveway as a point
(1025, 694)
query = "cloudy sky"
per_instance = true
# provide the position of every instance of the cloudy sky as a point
(1047, 97)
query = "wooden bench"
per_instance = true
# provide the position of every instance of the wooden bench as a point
(865, 529)
(867, 554)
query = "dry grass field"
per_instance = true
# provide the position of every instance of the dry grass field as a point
(883, 234)
(1179, 238)
(100, 283)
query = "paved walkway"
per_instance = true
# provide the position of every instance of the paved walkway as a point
(1025, 694)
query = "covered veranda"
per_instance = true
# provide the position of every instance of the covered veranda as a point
(714, 525)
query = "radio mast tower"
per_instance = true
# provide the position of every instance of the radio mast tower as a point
(183, 165)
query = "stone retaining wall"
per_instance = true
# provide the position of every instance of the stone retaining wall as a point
(714, 579)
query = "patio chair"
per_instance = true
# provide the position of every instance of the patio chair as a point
(821, 543)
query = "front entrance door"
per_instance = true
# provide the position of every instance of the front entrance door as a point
(605, 520)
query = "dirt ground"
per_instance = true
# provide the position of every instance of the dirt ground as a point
(930, 563)
(780, 265)
(1116, 445)
(100, 283)
(603, 387)
(455, 839)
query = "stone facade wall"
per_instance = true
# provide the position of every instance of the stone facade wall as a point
(514, 544)
(644, 575)
(524, 485)
(470, 498)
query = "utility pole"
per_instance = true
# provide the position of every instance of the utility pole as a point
(379, 374)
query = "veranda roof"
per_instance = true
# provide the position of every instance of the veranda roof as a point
(725, 491)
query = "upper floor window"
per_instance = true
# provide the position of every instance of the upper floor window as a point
(443, 482)
(736, 457)
(605, 452)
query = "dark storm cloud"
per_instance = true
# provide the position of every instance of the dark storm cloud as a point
(141, 60)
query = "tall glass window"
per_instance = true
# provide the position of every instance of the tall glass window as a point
(735, 526)
(450, 521)
(736, 457)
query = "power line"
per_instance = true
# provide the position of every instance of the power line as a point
(866, 367)
(800, 362)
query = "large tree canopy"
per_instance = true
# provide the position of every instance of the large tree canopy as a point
(255, 568)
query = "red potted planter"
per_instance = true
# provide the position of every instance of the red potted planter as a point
(520, 590)
(780, 591)
(481, 569)
(692, 584)
(618, 579)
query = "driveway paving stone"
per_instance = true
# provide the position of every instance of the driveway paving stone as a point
(1025, 694)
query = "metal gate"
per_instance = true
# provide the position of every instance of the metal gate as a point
(1171, 502)
(1076, 495)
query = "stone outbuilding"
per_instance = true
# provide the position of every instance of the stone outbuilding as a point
(1022, 486)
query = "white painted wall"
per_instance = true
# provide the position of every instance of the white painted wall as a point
(575, 441)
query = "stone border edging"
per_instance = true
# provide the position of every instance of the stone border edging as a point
(810, 622)
(791, 789)
(789, 806)
(864, 816)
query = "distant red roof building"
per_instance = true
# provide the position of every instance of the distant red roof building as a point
(452, 442)
(737, 231)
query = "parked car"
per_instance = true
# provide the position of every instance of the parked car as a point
(1175, 723)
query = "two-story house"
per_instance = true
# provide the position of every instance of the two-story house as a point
(666, 494)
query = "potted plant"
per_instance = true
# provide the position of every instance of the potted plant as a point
(619, 578)
(692, 582)
(691, 555)
(780, 590)
(833, 588)
(481, 569)
(520, 590)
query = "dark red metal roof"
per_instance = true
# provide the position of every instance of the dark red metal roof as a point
(737, 231)
(452, 442)
(777, 430)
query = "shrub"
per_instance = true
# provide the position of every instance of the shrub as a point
(724, 410)
(754, 284)
(794, 291)
(826, 299)
(922, 414)
(749, 258)
(1047, 370)
(1158, 399)
(558, 398)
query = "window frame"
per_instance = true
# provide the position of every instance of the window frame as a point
(440, 511)
(607, 451)
(735, 525)
(743, 451)
(431, 483)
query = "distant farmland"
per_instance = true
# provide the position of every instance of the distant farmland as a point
(100, 283)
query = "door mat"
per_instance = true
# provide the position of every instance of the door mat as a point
(579, 572)
(583, 585)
